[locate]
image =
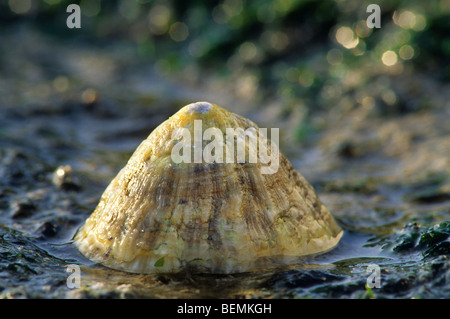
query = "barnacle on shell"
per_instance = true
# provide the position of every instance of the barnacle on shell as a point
(164, 216)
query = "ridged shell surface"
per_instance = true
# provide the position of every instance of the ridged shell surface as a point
(159, 216)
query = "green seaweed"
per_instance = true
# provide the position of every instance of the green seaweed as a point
(17, 251)
(430, 241)
(159, 262)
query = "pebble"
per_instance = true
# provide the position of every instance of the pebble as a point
(22, 210)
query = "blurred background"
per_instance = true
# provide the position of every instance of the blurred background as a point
(304, 56)
(364, 115)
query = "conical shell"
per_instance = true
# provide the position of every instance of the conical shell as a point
(160, 216)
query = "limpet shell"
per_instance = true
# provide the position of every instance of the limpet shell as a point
(158, 216)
